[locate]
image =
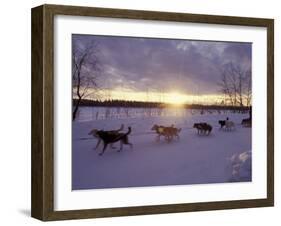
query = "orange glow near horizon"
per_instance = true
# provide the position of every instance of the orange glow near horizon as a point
(176, 98)
(173, 97)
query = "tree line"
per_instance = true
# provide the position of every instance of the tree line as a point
(143, 104)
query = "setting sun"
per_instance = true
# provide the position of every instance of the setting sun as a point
(176, 98)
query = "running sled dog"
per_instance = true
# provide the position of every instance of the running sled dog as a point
(168, 132)
(110, 137)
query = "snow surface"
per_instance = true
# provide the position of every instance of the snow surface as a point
(223, 156)
(241, 165)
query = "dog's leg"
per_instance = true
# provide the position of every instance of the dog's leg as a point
(128, 143)
(98, 143)
(170, 138)
(167, 138)
(103, 150)
(121, 146)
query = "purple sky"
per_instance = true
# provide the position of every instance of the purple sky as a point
(146, 64)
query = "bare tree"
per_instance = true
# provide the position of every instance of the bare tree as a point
(248, 83)
(85, 70)
(225, 87)
(235, 84)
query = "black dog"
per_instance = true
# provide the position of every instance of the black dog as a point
(222, 123)
(203, 128)
(109, 138)
(94, 131)
(198, 127)
(246, 122)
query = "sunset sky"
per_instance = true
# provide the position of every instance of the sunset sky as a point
(166, 70)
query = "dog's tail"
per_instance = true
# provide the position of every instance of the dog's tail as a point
(129, 131)
(179, 129)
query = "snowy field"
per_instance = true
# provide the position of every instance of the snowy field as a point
(223, 156)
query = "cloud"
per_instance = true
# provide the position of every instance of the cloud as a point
(161, 64)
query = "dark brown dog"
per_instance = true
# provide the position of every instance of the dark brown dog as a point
(169, 132)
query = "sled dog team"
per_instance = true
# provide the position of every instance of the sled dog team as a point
(110, 137)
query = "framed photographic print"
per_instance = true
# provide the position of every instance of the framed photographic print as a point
(141, 112)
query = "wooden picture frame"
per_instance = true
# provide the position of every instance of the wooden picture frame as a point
(42, 205)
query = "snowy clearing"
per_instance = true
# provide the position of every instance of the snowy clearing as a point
(223, 156)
